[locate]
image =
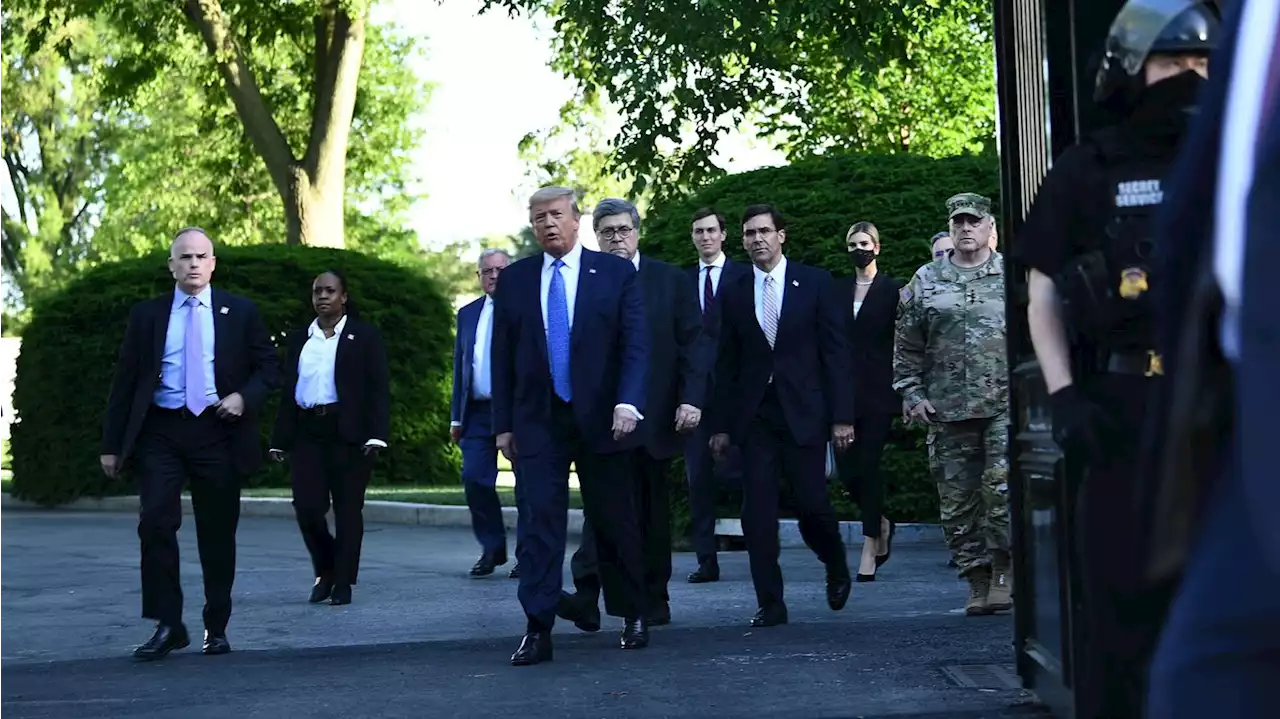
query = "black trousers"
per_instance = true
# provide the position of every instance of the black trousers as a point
(708, 477)
(653, 502)
(607, 483)
(859, 469)
(769, 452)
(324, 467)
(175, 446)
(1123, 613)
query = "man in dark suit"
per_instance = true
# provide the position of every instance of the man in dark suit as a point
(704, 471)
(783, 387)
(194, 369)
(1216, 494)
(673, 407)
(570, 375)
(471, 417)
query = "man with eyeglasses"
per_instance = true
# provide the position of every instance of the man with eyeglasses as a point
(470, 419)
(783, 390)
(673, 408)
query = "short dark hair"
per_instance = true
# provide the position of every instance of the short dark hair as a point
(706, 212)
(346, 289)
(765, 209)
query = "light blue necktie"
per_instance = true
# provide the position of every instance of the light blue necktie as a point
(558, 333)
(193, 360)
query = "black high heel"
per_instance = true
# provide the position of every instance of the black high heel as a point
(888, 547)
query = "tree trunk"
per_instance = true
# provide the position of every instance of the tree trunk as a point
(313, 214)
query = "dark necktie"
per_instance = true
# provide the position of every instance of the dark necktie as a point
(708, 292)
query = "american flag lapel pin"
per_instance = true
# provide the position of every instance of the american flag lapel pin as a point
(795, 283)
(223, 310)
(591, 271)
(351, 337)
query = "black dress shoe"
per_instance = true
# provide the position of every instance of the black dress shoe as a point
(661, 616)
(165, 640)
(770, 616)
(838, 587)
(484, 566)
(515, 572)
(635, 634)
(321, 590)
(865, 578)
(573, 608)
(215, 643)
(534, 648)
(341, 595)
(706, 572)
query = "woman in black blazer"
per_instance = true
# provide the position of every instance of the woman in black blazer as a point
(873, 307)
(334, 418)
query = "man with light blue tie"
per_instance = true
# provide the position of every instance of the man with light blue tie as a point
(471, 417)
(194, 370)
(570, 374)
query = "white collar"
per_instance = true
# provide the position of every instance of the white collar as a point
(779, 271)
(717, 262)
(571, 259)
(315, 331)
(635, 260)
(205, 296)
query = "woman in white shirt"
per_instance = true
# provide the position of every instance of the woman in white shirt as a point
(334, 418)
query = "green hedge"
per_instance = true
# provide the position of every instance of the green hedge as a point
(820, 198)
(69, 348)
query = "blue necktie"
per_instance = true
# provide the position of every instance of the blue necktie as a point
(558, 333)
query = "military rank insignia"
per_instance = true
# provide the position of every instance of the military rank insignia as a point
(1133, 282)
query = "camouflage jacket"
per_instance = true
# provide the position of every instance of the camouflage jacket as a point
(950, 342)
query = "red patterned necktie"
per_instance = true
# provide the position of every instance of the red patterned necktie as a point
(708, 293)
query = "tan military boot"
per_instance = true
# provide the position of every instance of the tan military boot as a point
(1000, 597)
(979, 587)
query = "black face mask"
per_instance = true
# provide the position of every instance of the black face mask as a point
(862, 258)
(1175, 95)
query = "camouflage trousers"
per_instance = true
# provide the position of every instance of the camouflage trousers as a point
(969, 460)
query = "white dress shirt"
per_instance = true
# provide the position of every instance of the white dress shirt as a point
(481, 386)
(571, 272)
(635, 260)
(316, 364)
(715, 268)
(171, 393)
(1236, 160)
(779, 275)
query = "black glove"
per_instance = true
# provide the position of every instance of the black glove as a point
(1078, 424)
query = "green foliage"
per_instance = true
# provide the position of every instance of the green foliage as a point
(903, 195)
(844, 74)
(70, 346)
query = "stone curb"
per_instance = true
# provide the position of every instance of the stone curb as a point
(437, 515)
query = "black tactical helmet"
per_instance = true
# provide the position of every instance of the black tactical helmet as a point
(1146, 27)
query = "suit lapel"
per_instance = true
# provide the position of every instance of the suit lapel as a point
(586, 286)
(788, 293)
(745, 286)
(532, 302)
(350, 334)
(163, 309)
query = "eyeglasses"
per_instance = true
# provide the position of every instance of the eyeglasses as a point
(762, 232)
(622, 233)
(490, 272)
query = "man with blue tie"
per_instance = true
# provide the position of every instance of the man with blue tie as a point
(194, 370)
(570, 373)
(1217, 493)
(471, 417)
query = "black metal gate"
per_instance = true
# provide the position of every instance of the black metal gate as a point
(1044, 50)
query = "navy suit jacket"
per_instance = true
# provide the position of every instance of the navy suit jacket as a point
(677, 356)
(710, 339)
(244, 361)
(810, 361)
(464, 349)
(608, 350)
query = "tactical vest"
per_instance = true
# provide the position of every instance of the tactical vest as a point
(1108, 288)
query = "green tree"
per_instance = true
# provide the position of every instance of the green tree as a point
(823, 73)
(57, 136)
(576, 153)
(291, 69)
(185, 158)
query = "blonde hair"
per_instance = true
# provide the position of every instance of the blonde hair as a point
(865, 228)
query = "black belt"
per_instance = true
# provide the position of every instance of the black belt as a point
(1147, 364)
(182, 412)
(320, 410)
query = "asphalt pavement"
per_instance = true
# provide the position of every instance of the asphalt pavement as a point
(422, 639)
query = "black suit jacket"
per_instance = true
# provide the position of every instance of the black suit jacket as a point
(810, 361)
(361, 377)
(871, 343)
(244, 361)
(710, 339)
(608, 349)
(678, 362)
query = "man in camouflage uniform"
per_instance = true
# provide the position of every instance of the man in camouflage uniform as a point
(950, 367)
